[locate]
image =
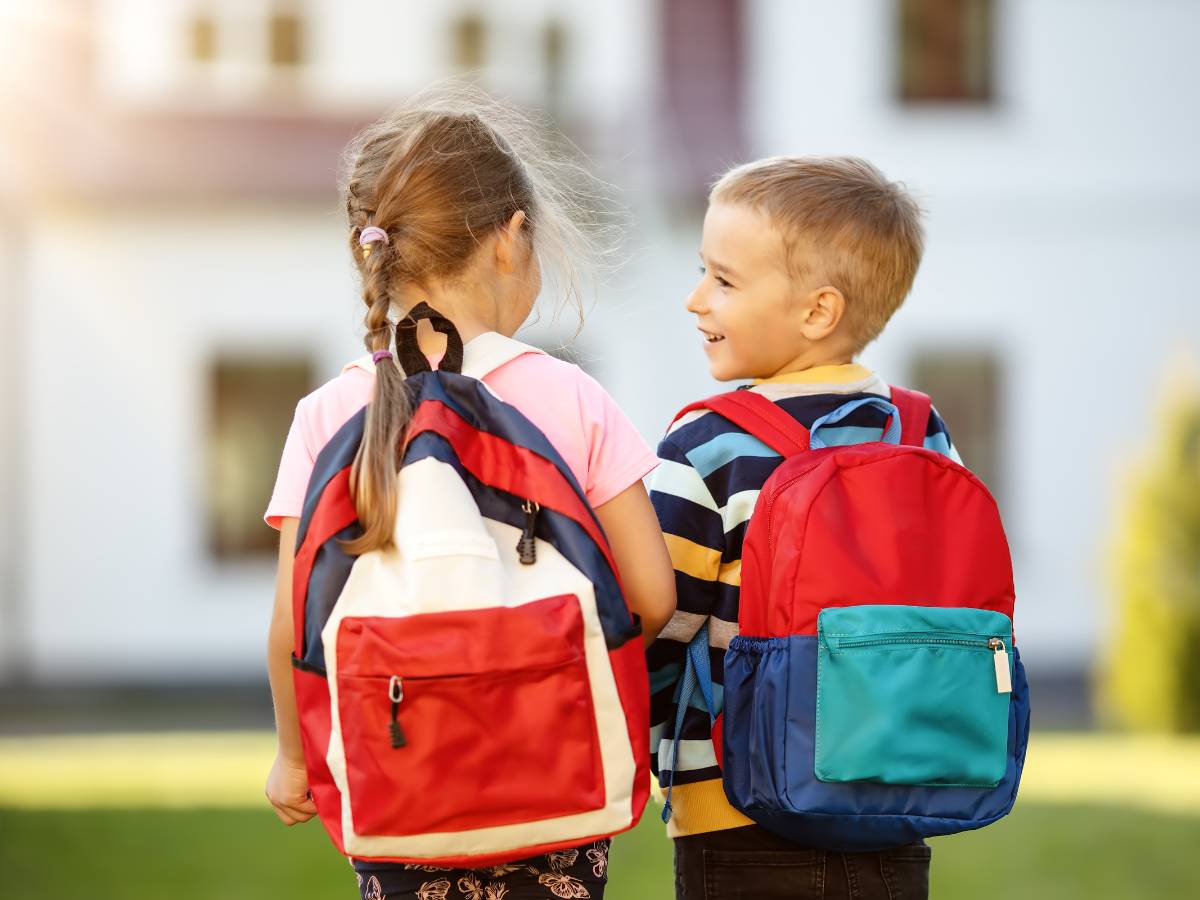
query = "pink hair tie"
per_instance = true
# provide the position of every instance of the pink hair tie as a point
(381, 354)
(372, 233)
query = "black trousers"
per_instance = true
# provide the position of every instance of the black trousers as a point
(752, 863)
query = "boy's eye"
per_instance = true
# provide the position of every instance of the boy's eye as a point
(717, 278)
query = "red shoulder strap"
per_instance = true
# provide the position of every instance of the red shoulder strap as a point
(756, 415)
(914, 408)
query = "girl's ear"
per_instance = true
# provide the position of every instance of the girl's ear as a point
(508, 243)
(823, 312)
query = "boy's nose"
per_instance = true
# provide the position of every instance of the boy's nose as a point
(695, 300)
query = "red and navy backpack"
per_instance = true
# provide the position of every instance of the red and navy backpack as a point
(476, 693)
(874, 695)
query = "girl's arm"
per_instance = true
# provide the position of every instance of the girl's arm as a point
(287, 784)
(641, 556)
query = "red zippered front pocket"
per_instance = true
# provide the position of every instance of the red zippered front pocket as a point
(495, 722)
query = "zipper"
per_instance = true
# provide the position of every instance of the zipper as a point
(1000, 658)
(527, 545)
(395, 691)
(994, 645)
(396, 694)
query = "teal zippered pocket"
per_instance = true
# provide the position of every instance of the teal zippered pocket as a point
(913, 695)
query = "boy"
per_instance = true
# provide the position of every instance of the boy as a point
(804, 261)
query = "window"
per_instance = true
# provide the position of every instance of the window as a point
(945, 51)
(251, 402)
(286, 35)
(470, 42)
(202, 38)
(966, 389)
(703, 65)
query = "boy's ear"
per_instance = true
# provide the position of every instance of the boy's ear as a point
(823, 312)
(508, 243)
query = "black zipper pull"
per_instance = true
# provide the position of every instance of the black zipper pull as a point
(396, 694)
(526, 546)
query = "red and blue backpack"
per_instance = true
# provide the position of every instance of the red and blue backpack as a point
(874, 695)
(476, 693)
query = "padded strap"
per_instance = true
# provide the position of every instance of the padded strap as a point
(914, 408)
(756, 415)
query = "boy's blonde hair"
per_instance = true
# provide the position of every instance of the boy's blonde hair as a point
(843, 224)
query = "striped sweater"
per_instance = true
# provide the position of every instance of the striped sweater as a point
(704, 491)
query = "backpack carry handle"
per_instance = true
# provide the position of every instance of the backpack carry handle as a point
(915, 409)
(891, 434)
(412, 360)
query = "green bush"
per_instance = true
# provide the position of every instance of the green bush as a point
(1151, 679)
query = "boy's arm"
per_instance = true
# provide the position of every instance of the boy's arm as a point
(692, 527)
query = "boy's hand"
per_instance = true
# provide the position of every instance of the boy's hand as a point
(287, 789)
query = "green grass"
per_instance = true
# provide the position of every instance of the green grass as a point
(1041, 851)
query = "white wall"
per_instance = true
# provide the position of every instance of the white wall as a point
(118, 581)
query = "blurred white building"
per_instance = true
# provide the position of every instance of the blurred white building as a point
(173, 269)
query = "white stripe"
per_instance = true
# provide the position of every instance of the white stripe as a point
(682, 481)
(720, 632)
(738, 509)
(682, 627)
(688, 419)
(692, 755)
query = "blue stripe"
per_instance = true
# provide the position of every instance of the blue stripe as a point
(664, 677)
(338, 453)
(938, 442)
(697, 524)
(725, 448)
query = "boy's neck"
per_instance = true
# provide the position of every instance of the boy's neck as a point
(811, 359)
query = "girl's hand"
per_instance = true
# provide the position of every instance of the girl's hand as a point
(287, 789)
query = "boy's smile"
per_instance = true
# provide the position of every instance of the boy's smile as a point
(754, 318)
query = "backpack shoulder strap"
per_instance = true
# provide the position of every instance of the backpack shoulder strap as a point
(489, 351)
(914, 408)
(756, 415)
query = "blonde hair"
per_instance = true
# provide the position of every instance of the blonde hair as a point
(843, 224)
(439, 175)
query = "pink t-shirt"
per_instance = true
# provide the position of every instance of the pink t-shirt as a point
(595, 439)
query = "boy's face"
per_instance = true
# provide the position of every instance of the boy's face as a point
(745, 304)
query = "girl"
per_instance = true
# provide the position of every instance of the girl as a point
(451, 202)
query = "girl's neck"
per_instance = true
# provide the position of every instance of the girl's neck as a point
(472, 312)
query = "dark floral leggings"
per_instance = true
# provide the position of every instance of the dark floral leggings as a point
(577, 874)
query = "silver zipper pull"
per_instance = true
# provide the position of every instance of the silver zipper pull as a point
(1000, 658)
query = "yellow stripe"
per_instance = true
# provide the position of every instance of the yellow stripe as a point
(731, 573)
(692, 558)
(701, 807)
(843, 374)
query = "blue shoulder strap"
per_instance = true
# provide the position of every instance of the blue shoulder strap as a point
(697, 673)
